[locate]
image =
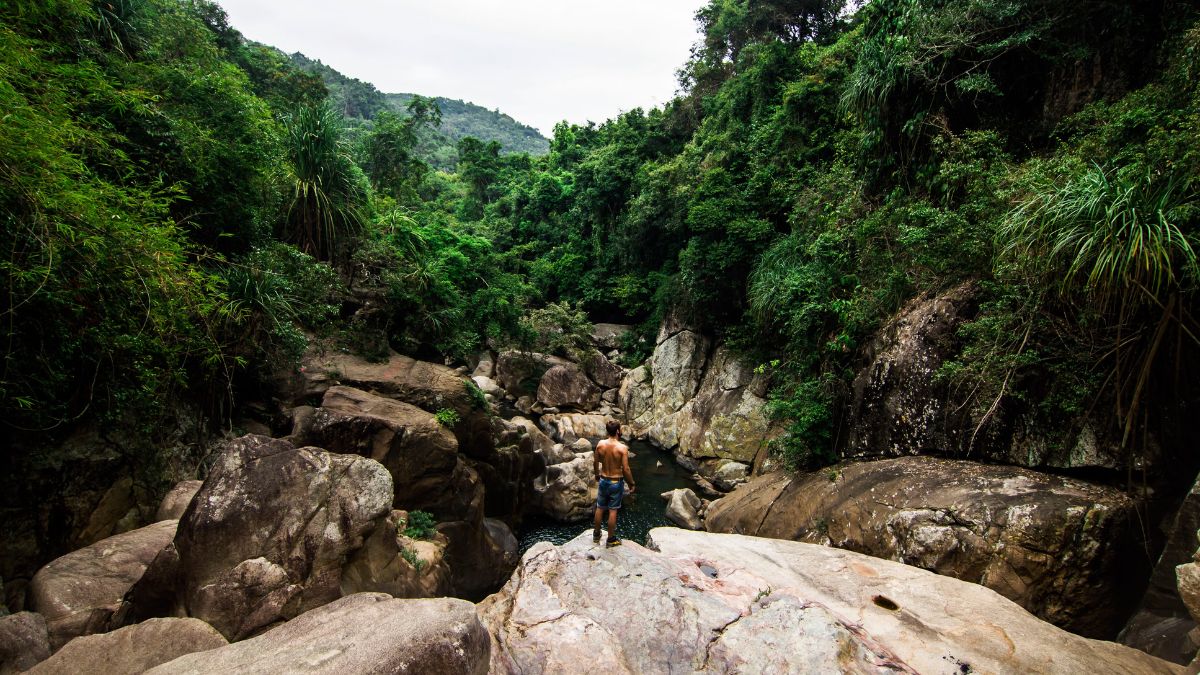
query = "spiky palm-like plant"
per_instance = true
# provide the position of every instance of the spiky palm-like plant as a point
(329, 192)
(1125, 242)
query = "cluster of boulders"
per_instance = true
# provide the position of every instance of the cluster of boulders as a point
(294, 543)
(698, 400)
(546, 384)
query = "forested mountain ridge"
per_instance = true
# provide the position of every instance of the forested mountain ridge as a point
(360, 102)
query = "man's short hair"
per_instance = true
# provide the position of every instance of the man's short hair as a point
(613, 427)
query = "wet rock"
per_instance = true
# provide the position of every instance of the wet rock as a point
(1054, 545)
(267, 536)
(24, 642)
(132, 650)
(177, 499)
(566, 386)
(682, 508)
(361, 633)
(79, 592)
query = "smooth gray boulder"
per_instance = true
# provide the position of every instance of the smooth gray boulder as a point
(567, 387)
(133, 649)
(361, 633)
(79, 592)
(682, 508)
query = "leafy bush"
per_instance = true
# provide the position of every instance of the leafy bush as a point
(420, 525)
(447, 417)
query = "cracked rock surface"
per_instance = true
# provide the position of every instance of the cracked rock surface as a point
(724, 603)
(579, 608)
(1054, 545)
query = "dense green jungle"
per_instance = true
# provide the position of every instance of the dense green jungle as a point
(184, 212)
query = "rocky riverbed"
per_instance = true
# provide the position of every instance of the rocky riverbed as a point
(302, 548)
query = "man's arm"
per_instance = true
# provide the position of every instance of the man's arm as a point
(596, 463)
(626, 471)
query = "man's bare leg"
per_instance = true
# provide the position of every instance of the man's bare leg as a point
(596, 528)
(612, 523)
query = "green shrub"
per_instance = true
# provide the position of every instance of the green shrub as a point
(447, 417)
(420, 525)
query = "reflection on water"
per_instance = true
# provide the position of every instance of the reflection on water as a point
(654, 471)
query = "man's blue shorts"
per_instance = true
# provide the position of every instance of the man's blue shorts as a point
(610, 493)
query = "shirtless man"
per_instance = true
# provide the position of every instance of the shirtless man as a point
(611, 463)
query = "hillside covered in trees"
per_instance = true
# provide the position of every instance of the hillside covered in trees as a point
(360, 102)
(183, 211)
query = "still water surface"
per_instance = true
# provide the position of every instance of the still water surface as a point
(654, 471)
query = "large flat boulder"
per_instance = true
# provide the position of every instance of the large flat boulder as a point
(579, 608)
(1054, 545)
(725, 603)
(567, 387)
(361, 633)
(932, 623)
(429, 386)
(132, 650)
(266, 537)
(79, 592)
(420, 454)
(569, 427)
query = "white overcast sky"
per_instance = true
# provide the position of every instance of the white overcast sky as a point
(540, 61)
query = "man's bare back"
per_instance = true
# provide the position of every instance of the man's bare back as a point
(612, 460)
